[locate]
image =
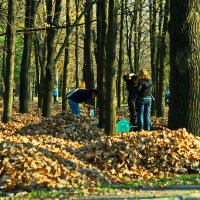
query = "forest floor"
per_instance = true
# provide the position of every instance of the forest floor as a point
(69, 156)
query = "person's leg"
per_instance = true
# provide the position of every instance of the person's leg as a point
(54, 99)
(131, 106)
(74, 107)
(147, 113)
(140, 114)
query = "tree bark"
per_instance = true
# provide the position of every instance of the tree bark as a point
(88, 74)
(76, 46)
(102, 18)
(10, 61)
(25, 65)
(162, 58)
(110, 122)
(51, 48)
(121, 56)
(184, 109)
(66, 63)
(153, 12)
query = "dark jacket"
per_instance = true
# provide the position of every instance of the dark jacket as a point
(81, 95)
(144, 88)
(132, 89)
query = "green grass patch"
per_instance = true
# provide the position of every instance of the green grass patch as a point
(178, 180)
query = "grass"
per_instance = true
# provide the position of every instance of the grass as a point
(180, 180)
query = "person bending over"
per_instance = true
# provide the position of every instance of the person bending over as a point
(82, 96)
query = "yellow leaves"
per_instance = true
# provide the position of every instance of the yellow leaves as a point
(68, 151)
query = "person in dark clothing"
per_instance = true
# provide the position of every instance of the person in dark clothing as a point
(144, 100)
(81, 96)
(131, 83)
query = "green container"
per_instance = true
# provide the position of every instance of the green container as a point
(123, 126)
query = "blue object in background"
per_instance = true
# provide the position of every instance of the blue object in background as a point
(167, 97)
(91, 112)
(123, 126)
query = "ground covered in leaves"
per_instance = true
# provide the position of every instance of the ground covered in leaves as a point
(67, 151)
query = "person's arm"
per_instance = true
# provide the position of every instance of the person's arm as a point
(126, 77)
(139, 86)
(87, 105)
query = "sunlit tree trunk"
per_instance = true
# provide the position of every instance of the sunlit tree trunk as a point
(162, 49)
(66, 62)
(10, 61)
(110, 122)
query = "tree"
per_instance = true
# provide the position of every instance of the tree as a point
(153, 12)
(76, 46)
(110, 122)
(30, 9)
(184, 110)
(88, 74)
(51, 47)
(10, 60)
(102, 20)
(161, 64)
(66, 62)
(121, 55)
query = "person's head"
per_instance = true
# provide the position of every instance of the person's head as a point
(143, 74)
(134, 78)
(94, 92)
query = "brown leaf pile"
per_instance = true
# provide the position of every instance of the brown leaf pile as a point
(145, 154)
(69, 151)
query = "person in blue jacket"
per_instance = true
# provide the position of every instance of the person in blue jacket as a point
(167, 96)
(55, 95)
(82, 96)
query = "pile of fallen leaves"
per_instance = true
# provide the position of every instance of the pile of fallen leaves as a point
(145, 154)
(70, 151)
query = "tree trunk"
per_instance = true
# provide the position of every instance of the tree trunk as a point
(88, 74)
(76, 46)
(157, 71)
(135, 25)
(129, 33)
(121, 57)
(37, 64)
(4, 59)
(51, 48)
(10, 60)
(66, 63)
(162, 49)
(102, 7)
(184, 109)
(25, 65)
(153, 12)
(110, 122)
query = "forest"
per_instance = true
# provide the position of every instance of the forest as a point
(65, 44)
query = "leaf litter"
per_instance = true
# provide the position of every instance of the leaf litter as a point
(67, 151)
